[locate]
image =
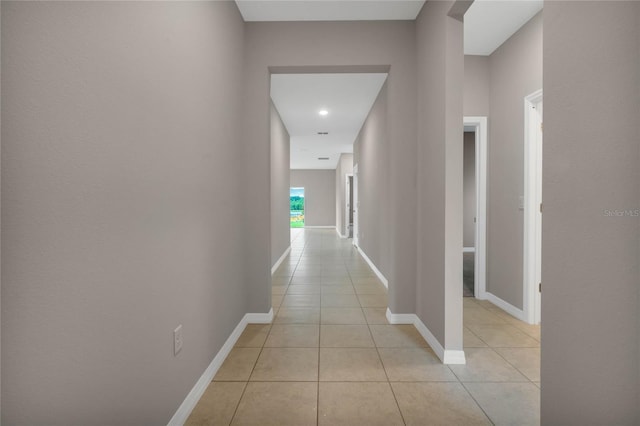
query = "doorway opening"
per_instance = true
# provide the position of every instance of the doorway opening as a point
(355, 203)
(532, 267)
(296, 209)
(474, 207)
(348, 215)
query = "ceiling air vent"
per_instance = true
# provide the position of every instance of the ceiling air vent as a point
(323, 158)
(323, 133)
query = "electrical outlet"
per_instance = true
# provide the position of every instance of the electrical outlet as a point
(177, 340)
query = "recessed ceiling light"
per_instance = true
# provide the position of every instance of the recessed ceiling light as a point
(323, 112)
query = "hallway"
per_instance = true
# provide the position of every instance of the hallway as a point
(331, 358)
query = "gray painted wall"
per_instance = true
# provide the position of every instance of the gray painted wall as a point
(280, 159)
(469, 184)
(319, 195)
(516, 71)
(371, 154)
(345, 167)
(336, 47)
(439, 182)
(591, 164)
(477, 80)
(120, 183)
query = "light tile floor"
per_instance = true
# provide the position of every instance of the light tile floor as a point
(331, 358)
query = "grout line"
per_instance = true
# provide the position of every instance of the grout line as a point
(477, 403)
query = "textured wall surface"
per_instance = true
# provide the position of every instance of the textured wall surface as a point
(319, 195)
(120, 206)
(591, 165)
(280, 222)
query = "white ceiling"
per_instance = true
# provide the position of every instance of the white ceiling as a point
(489, 23)
(329, 10)
(347, 97)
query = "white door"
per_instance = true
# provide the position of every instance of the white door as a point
(356, 205)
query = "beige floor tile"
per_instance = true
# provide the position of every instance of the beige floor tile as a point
(375, 315)
(351, 404)
(337, 289)
(298, 280)
(303, 289)
(478, 315)
(414, 365)
(526, 360)
(286, 364)
(278, 289)
(529, 329)
(342, 316)
(363, 277)
(508, 403)
(345, 336)
(485, 365)
(276, 300)
(217, 405)
(238, 365)
(370, 289)
(293, 336)
(301, 301)
(470, 340)
(440, 404)
(280, 281)
(340, 301)
(253, 336)
(351, 365)
(397, 336)
(278, 404)
(503, 336)
(297, 316)
(373, 300)
(336, 281)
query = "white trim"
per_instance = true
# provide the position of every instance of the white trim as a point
(506, 306)
(480, 258)
(320, 226)
(348, 206)
(339, 234)
(373, 267)
(447, 356)
(468, 249)
(532, 220)
(189, 403)
(355, 207)
(400, 318)
(259, 318)
(280, 260)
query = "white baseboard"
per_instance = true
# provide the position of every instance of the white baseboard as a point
(259, 318)
(447, 356)
(506, 306)
(468, 249)
(279, 261)
(189, 403)
(340, 234)
(320, 226)
(373, 267)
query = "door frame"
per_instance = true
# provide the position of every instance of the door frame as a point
(532, 251)
(356, 205)
(478, 125)
(347, 204)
